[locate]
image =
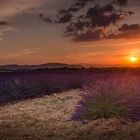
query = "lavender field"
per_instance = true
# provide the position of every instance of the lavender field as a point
(73, 104)
(22, 85)
(16, 86)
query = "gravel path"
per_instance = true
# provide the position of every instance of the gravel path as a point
(48, 118)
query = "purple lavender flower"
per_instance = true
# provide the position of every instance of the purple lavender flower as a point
(111, 96)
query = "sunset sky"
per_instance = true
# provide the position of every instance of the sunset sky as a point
(31, 34)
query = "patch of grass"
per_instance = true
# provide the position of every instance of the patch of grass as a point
(60, 100)
(51, 102)
(66, 98)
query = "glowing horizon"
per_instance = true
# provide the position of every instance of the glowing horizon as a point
(26, 37)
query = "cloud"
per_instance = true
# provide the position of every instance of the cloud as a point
(12, 8)
(21, 55)
(89, 36)
(3, 23)
(5, 27)
(67, 17)
(122, 2)
(45, 19)
(126, 32)
(131, 27)
(91, 20)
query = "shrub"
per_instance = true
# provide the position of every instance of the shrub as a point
(110, 97)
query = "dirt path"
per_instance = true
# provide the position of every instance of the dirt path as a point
(48, 118)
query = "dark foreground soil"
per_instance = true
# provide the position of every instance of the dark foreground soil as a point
(48, 118)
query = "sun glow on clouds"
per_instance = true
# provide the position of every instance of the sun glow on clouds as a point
(109, 51)
(112, 51)
(26, 56)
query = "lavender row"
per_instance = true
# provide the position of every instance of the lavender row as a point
(111, 96)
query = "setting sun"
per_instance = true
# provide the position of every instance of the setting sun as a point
(133, 59)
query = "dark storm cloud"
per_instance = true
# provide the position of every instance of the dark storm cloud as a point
(124, 32)
(127, 32)
(98, 16)
(89, 20)
(2, 23)
(131, 27)
(89, 36)
(81, 3)
(67, 17)
(125, 35)
(45, 19)
(122, 2)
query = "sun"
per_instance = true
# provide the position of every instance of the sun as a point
(133, 59)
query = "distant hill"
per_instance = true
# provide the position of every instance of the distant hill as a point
(34, 67)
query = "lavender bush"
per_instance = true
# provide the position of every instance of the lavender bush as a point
(30, 84)
(110, 97)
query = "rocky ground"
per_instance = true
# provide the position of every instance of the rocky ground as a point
(48, 118)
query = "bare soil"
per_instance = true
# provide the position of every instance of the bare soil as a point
(48, 118)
